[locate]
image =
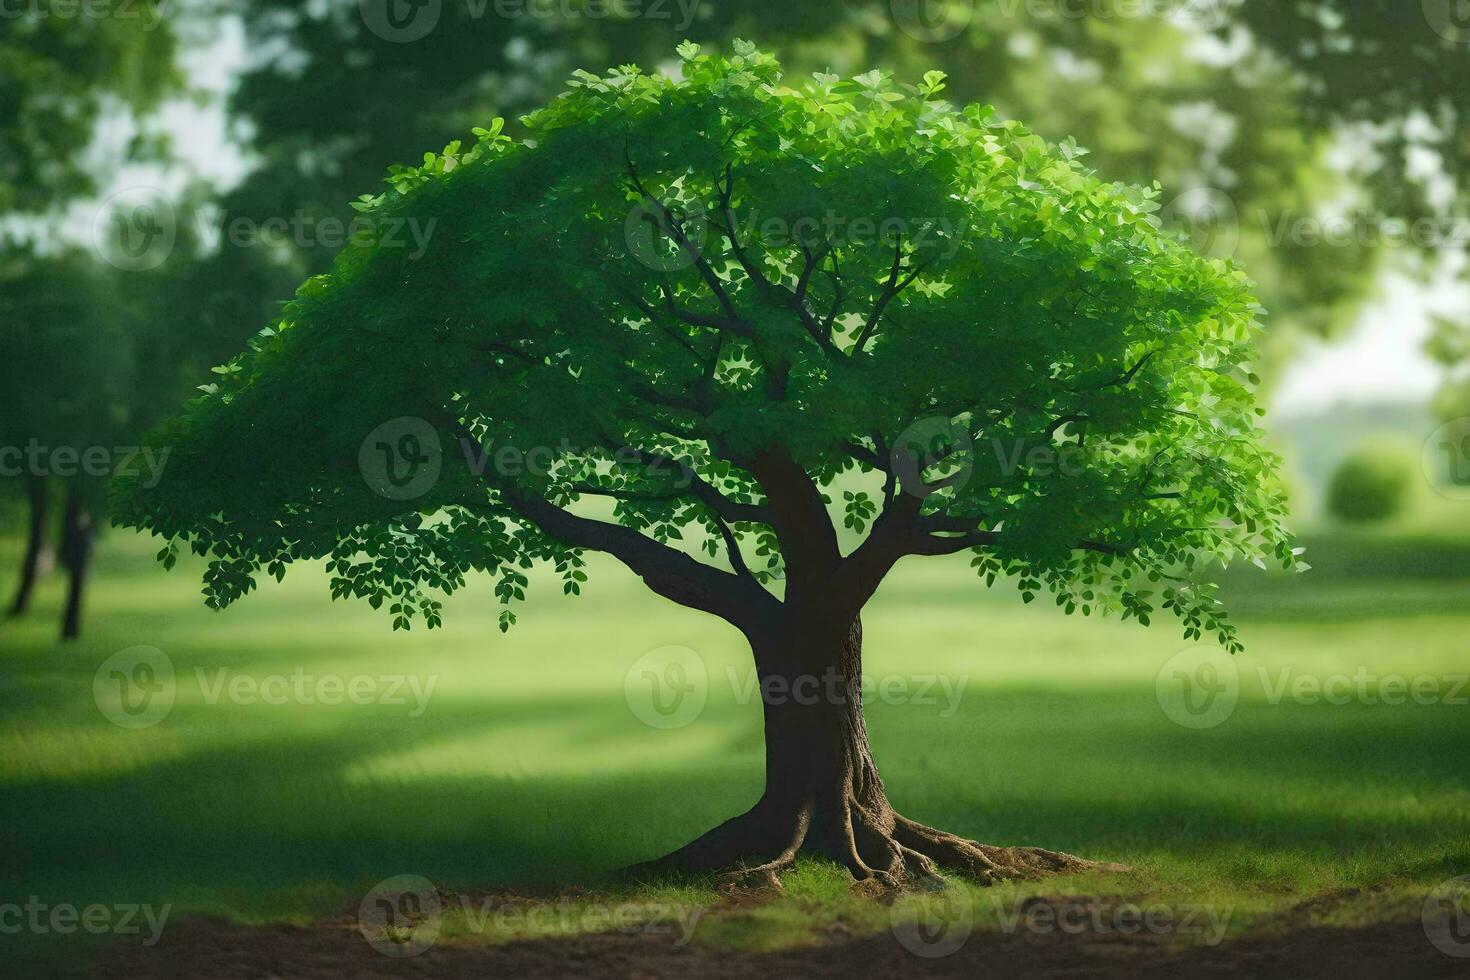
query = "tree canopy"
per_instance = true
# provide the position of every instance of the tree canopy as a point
(1221, 127)
(713, 300)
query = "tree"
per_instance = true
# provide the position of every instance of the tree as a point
(63, 385)
(1396, 78)
(61, 69)
(1371, 483)
(707, 301)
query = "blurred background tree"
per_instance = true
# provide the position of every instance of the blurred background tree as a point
(65, 72)
(60, 74)
(1397, 77)
(332, 97)
(63, 383)
(1371, 485)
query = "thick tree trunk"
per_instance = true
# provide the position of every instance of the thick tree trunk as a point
(76, 554)
(823, 794)
(37, 557)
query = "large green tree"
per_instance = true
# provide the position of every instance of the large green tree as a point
(709, 301)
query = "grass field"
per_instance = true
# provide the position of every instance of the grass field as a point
(526, 763)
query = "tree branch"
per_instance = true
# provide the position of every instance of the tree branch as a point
(732, 545)
(1123, 378)
(1051, 430)
(892, 288)
(668, 572)
(929, 544)
(705, 492)
(676, 230)
(772, 292)
(762, 284)
(838, 295)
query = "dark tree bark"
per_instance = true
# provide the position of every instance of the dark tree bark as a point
(76, 554)
(823, 793)
(37, 555)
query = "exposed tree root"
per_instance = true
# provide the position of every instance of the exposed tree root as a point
(876, 845)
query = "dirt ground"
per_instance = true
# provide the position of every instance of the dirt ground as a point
(335, 949)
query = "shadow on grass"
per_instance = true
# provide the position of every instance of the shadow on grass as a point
(286, 826)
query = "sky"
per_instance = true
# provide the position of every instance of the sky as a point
(1381, 359)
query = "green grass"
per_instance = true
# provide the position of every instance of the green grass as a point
(528, 766)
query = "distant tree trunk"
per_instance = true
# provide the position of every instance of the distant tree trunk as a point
(37, 558)
(823, 794)
(76, 554)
